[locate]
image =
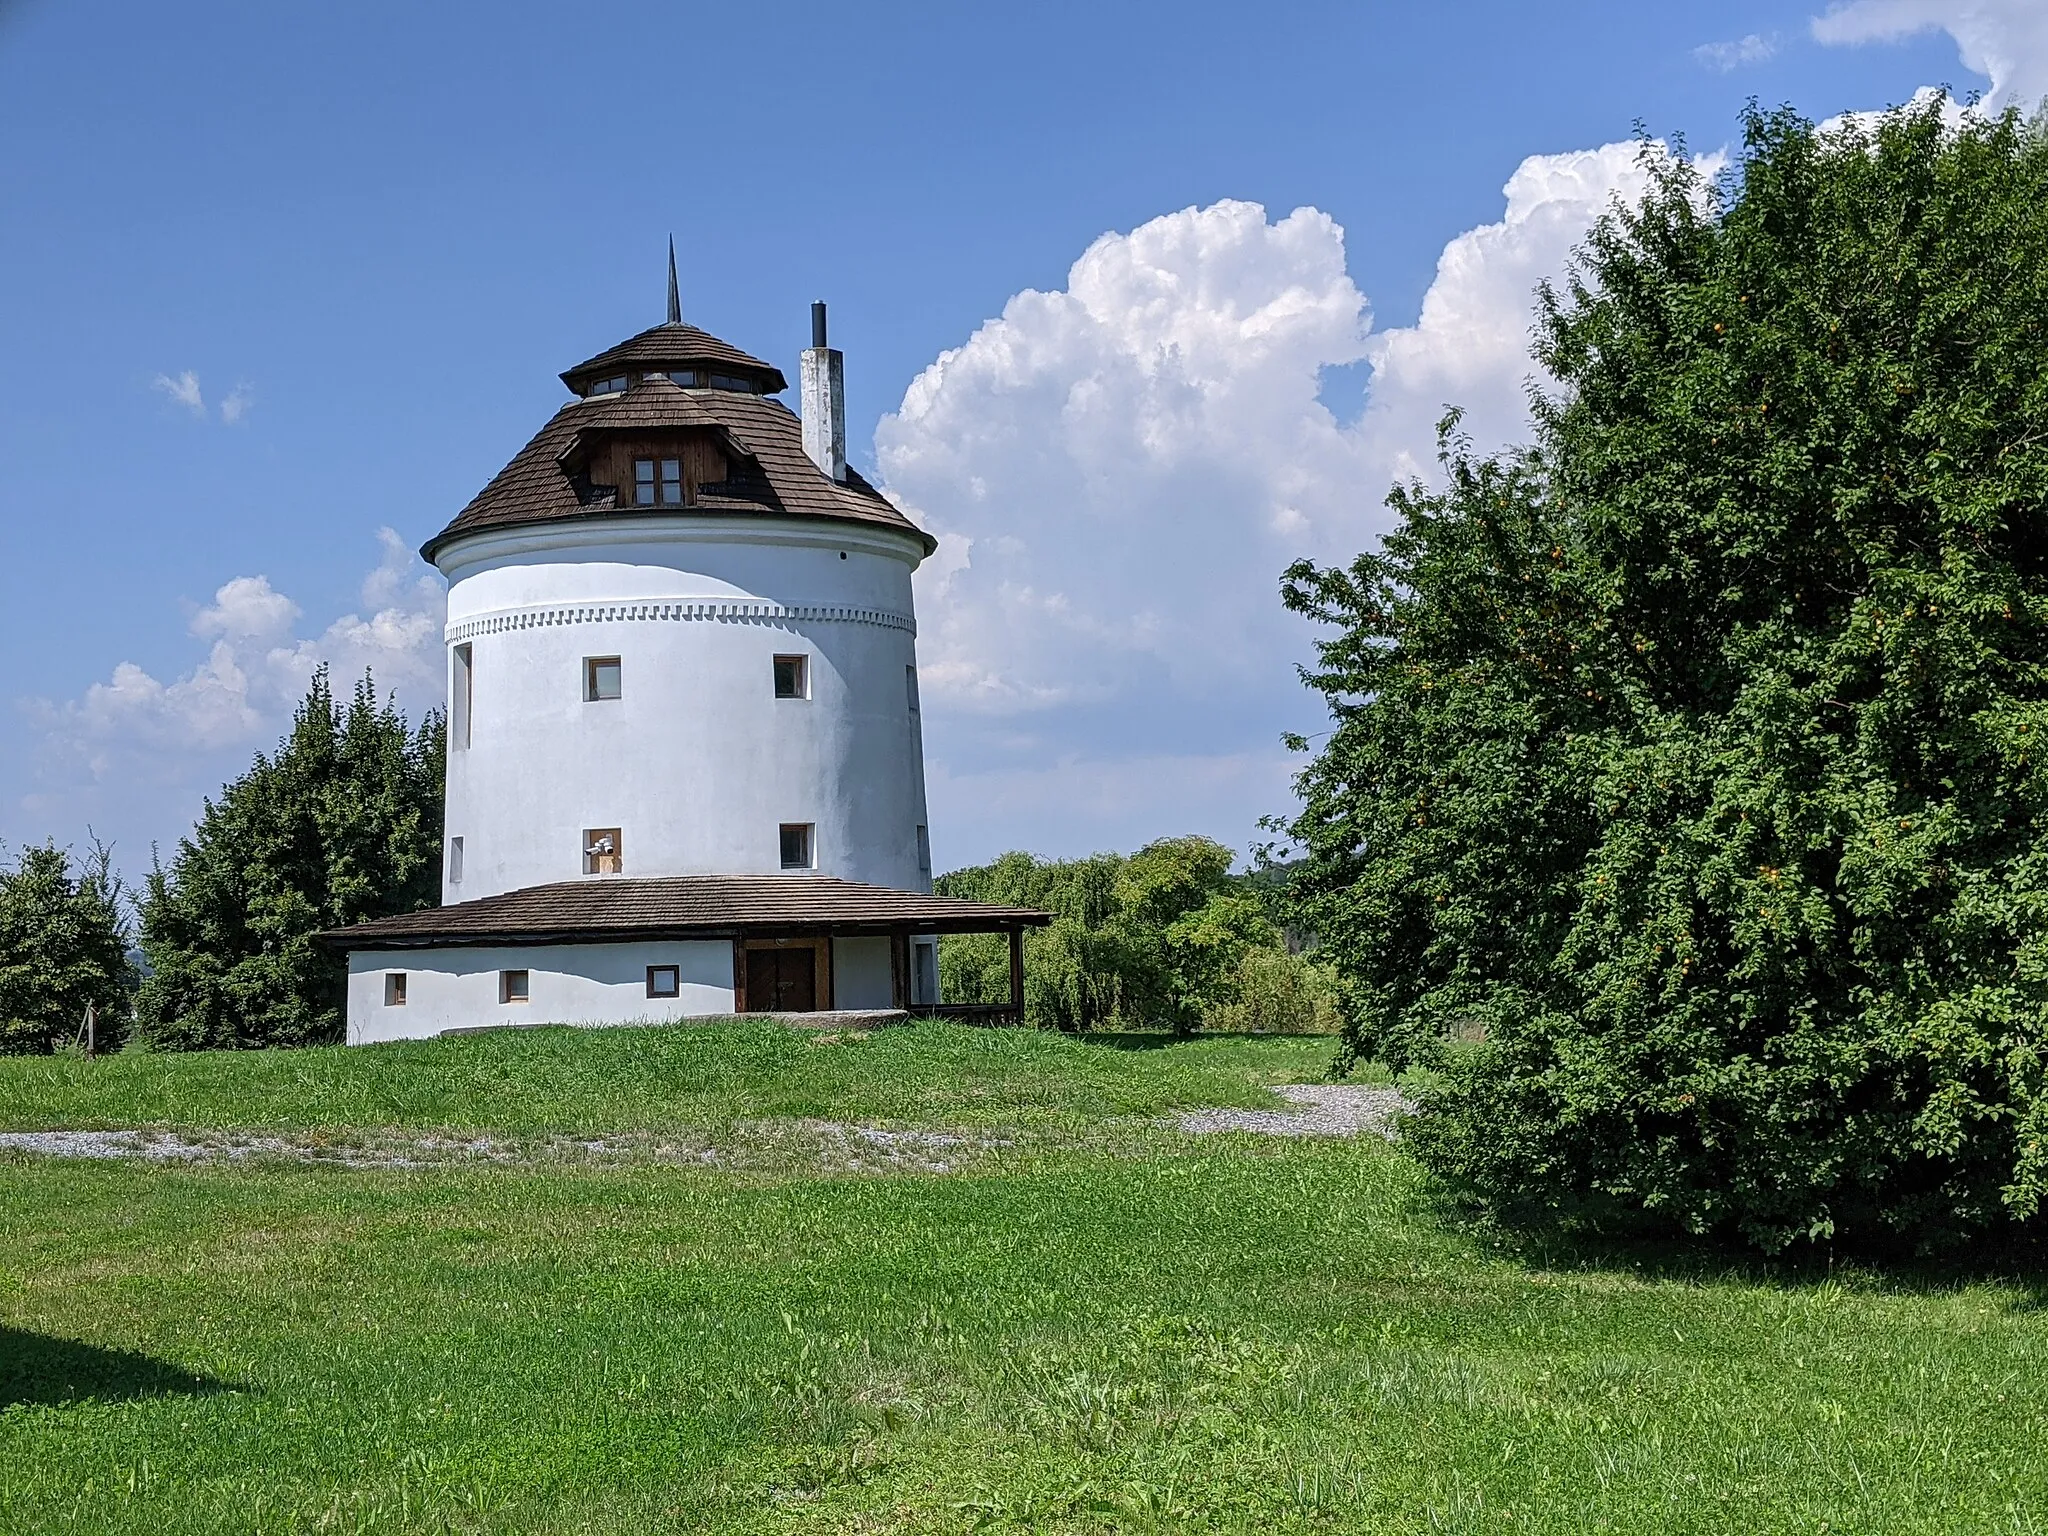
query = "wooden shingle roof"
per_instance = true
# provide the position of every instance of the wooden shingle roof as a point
(675, 345)
(776, 477)
(603, 909)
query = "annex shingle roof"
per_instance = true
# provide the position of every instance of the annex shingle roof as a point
(776, 478)
(607, 908)
(675, 345)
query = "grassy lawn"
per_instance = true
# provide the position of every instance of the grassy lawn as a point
(1102, 1326)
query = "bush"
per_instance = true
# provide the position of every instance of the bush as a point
(1273, 992)
(1695, 756)
(63, 949)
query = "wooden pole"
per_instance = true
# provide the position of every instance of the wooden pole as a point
(91, 1030)
(1017, 974)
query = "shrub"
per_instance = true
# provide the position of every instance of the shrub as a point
(1695, 756)
(1273, 992)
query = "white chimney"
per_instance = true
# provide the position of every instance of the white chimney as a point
(822, 385)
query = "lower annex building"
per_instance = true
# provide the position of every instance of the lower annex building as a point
(685, 745)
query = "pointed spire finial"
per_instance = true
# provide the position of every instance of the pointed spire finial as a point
(675, 296)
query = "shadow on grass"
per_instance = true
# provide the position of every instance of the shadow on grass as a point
(2015, 1264)
(38, 1370)
(1159, 1039)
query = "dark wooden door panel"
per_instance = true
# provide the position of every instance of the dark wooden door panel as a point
(782, 980)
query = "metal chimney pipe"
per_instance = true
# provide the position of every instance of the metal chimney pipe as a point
(818, 324)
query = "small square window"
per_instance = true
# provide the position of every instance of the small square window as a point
(394, 989)
(602, 853)
(664, 981)
(671, 482)
(601, 678)
(796, 845)
(792, 677)
(643, 482)
(924, 851)
(512, 986)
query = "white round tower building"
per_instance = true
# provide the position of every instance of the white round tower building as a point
(685, 751)
(679, 644)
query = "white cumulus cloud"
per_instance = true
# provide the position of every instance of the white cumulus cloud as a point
(236, 407)
(134, 753)
(1119, 470)
(2004, 40)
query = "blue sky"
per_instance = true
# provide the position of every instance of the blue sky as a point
(281, 277)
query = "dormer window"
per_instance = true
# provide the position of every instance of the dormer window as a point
(610, 386)
(657, 482)
(727, 381)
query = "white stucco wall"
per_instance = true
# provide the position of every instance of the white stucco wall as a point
(698, 763)
(567, 984)
(863, 975)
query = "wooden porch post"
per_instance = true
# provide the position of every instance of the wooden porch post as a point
(1017, 974)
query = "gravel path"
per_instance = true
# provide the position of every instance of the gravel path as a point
(1327, 1109)
(848, 1147)
(161, 1146)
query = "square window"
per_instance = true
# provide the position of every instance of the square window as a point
(601, 678)
(602, 854)
(792, 677)
(455, 861)
(664, 981)
(671, 482)
(512, 986)
(796, 845)
(394, 989)
(924, 851)
(643, 482)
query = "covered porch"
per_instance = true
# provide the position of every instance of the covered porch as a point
(610, 948)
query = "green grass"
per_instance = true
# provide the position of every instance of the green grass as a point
(617, 1080)
(1170, 1334)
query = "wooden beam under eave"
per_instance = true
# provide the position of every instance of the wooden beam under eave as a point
(1017, 973)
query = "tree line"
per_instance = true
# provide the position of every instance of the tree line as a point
(341, 823)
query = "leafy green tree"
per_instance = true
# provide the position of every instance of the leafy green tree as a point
(1699, 754)
(341, 825)
(1149, 940)
(63, 949)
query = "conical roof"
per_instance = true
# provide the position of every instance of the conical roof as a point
(675, 345)
(759, 437)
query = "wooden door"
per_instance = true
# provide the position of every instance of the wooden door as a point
(782, 980)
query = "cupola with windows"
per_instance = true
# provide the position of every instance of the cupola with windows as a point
(678, 353)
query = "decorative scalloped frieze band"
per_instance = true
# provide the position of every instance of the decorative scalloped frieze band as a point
(720, 610)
